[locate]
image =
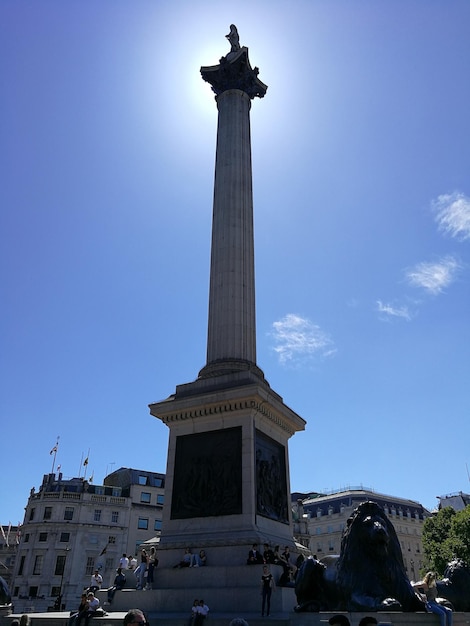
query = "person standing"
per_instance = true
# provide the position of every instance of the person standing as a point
(142, 568)
(96, 581)
(124, 562)
(152, 564)
(267, 586)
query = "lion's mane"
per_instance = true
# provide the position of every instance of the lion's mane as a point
(370, 570)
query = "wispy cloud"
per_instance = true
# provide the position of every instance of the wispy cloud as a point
(453, 214)
(389, 311)
(299, 338)
(434, 277)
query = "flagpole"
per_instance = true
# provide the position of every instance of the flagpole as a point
(80, 468)
(54, 451)
(85, 464)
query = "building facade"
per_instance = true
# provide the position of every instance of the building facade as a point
(458, 501)
(72, 527)
(319, 521)
(9, 540)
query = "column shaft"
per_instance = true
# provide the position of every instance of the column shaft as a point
(232, 324)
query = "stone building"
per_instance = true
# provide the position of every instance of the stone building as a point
(458, 501)
(9, 539)
(72, 527)
(319, 521)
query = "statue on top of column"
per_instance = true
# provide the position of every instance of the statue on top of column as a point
(234, 70)
(233, 38)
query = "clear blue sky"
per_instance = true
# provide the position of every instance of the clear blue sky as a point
(361, 165)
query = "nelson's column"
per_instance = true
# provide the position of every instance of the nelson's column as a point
(227, 477)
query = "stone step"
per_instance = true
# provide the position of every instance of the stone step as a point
(224, 588)
(253, 619)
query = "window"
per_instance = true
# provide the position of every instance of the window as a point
(111, 539)
(142, 480)
(42, 536)
(47, 512)
(117, 491)
(145, 497)
(90, 566)
(33, 592)
(99, 490)
(64, 537)
(160, 498)
(157, 482)
(115, 517)
(26, 538)
(68, 514)
(60, 565)
(143, 523)
(31, 514)
(97, 515)
(38, 561)
(21, 567)
(158, 524)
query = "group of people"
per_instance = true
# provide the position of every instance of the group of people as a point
(144, 572)
(192, 560)
(271, 557)
(128, 562)
(89, 605)
(199, 612)
(275, 557)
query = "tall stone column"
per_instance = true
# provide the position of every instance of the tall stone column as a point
(227, 478)
(231, 339)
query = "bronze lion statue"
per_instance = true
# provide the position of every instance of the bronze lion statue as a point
(455, 586)
(368, 575)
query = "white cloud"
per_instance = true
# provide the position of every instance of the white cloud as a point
(453, 214)
(299, 338)
(434, 277)
(390, 311)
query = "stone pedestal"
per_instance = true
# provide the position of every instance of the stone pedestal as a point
(227, 477)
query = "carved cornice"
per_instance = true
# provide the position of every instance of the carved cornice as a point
(232, 407)
(235, 72)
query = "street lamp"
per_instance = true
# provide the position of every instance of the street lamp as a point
(58, 602)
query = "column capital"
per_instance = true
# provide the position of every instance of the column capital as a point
(234, 72)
